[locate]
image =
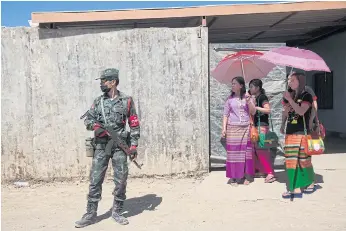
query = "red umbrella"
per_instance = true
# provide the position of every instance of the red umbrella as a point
(242, 63)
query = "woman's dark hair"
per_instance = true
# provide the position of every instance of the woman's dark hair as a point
(302, 83)
(241, 81)
(258, 83)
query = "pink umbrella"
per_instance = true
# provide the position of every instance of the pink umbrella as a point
(296, 58)
(242, 63)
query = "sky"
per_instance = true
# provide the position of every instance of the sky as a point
(17, 13)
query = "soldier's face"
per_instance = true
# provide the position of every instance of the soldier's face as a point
(112, 83)
(104, 85)
(107, 83)
(103, 81)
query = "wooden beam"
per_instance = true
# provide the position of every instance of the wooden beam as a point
(52, 17)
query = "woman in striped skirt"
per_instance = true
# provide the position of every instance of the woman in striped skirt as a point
(299, 168)
(236, 129)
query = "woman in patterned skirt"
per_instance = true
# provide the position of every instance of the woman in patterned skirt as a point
(236, 129)
(299, 168)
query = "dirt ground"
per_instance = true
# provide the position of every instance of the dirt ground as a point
(202, 204)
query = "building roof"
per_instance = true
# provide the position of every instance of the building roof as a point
(279, 22)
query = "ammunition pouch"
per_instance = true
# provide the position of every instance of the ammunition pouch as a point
(90, 147)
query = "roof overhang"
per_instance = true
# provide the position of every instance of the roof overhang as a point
(294, 22)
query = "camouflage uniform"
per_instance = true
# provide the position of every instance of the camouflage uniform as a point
(116, 111)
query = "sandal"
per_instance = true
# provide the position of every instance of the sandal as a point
(310, 190)
(270, 179)
(246, 182)
(290, 195)
(233, 182)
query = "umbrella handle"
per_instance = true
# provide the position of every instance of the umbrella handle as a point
(242, 67)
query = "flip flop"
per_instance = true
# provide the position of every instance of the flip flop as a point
(270, 180)
(233, 183)
(246, 182)
(310, 190)
(290, 195)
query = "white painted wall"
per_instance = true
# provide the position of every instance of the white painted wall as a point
(333, 51)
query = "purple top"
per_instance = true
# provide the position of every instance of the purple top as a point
(237, 111)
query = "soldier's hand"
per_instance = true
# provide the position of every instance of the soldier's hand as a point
(133, 155)
(99, 131)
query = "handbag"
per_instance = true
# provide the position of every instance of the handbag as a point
(319, 130)
(312, 145)
(253, 131)
(267, 140)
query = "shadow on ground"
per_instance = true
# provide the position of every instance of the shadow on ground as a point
(135, 206)
(281, 177)
(334, 145)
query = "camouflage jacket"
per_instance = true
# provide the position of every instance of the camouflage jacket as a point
(116, 113)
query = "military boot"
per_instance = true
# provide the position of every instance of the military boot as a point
(116, 212)
(90, 216)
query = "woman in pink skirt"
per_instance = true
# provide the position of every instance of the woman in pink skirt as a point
(262, 157)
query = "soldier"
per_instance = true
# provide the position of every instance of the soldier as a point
(117, 107)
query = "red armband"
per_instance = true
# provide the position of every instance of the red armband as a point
(133, 121)
(133, 147)
(96, 126)
(314, 98)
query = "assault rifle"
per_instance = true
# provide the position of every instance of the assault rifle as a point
(115, 140)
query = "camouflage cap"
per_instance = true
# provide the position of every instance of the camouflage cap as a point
(110, 74)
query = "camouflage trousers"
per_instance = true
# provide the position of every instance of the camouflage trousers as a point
(98, 172)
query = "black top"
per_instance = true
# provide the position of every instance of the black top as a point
(295, 123)
(261, 100)
(311, 92)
